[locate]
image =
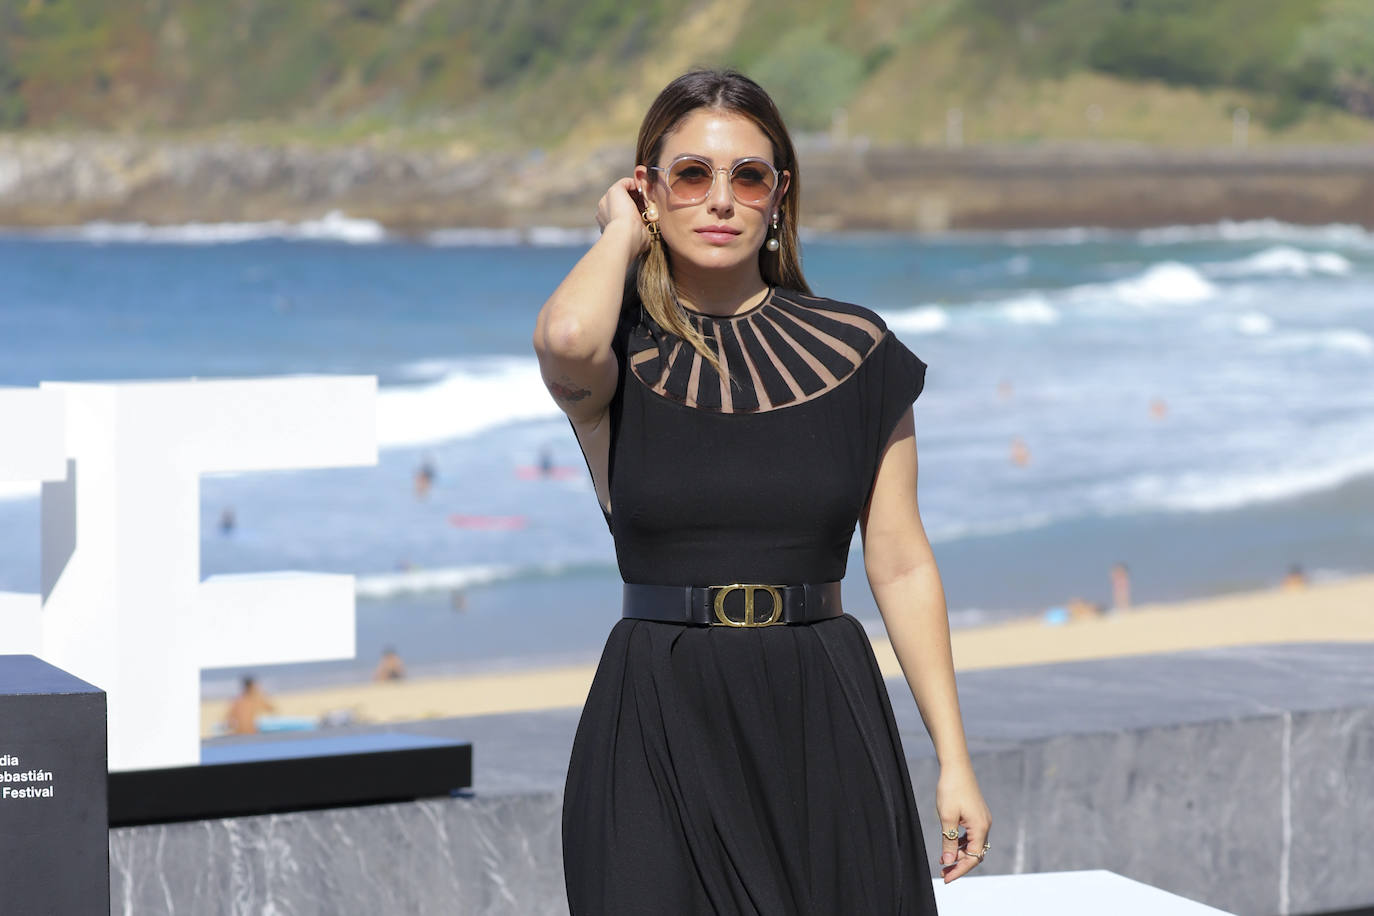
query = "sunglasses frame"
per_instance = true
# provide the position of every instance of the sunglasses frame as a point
(715, 170)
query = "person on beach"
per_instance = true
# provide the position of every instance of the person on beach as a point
(389, 666)
(737, 752)
(1121, 587)
(1020, 452)
(424, 477)
(1082, 609)
(242, 718)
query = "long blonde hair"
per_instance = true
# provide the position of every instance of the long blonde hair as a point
(722, 90)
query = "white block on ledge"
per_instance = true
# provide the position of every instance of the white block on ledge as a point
(1063, 893)
(32, 437)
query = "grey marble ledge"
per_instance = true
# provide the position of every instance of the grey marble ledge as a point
(496, 855)
(1222, 775)
(1111, 695)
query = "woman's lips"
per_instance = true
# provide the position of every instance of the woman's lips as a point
(718, 235)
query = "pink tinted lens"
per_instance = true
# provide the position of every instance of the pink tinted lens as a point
(690, 179)
(752, 182)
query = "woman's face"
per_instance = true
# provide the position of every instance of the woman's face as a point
(721, 138)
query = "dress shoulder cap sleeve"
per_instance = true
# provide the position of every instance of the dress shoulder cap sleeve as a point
(902, 377)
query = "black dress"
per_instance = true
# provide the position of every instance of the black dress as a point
(745, 771)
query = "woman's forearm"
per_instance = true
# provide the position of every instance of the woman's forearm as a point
(913, 610)
(580, 317)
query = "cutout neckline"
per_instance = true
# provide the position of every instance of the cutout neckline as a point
(789, 349)
(693, 313)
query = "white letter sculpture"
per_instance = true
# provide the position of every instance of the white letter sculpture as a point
(32, 449)
(123, 604)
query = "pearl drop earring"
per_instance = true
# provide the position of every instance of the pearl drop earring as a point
(773, 244)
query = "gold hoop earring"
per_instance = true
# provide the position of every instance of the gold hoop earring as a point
(773, 244)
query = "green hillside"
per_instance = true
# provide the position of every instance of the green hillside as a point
(478, 74)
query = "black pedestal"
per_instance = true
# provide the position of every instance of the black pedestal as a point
(54, 841)
(268, 776)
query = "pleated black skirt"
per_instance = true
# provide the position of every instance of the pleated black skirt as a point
(744, 773)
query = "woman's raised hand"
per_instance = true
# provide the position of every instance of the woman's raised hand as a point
(622, 204)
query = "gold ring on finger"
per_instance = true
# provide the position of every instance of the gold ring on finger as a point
(952, 833)
(986, 847)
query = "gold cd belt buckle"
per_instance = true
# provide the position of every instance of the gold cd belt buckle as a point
(750, 620)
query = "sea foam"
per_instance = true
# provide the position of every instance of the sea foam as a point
(1164, 284)
(456, 578)
(490, 237)
(924, 319)
(474, 237)
(418, 581)
(334, 226)
(1230, 489)
(1345, 235)
(1254, 324)
(476, 394)
(1282, 260)
(1340, 235)
(1340, 340)
(1032, 309)
(558, 237)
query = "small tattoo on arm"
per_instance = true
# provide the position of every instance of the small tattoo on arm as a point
(566, 390)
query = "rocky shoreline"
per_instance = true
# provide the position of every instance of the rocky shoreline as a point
(63, 181)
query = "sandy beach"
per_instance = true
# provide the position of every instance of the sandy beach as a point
(1341, 611)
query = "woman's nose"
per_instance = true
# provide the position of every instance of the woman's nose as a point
(721, 199)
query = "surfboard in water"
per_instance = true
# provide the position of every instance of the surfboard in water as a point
(487, 522)
(530, 472)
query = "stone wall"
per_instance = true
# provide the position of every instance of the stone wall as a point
(51, 181)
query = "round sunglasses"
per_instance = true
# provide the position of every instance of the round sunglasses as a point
(691, 178)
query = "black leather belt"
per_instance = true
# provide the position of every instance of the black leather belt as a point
(737, 605)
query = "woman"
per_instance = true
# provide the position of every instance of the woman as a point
(737, 753)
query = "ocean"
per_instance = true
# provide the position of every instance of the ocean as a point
(1194, 401)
